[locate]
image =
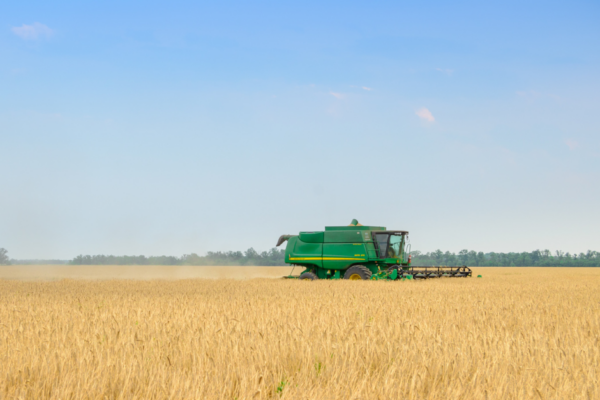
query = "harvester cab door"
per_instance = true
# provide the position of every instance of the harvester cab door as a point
(395, 246)
(382, 240)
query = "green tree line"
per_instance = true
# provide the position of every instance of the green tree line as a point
(38, 262)
(273, 257)
(276, 257)
(541, 258)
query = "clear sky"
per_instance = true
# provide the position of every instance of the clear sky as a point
(144, 127)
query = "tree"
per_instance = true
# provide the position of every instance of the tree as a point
(463, 256)
(480, 258)
(3, 257)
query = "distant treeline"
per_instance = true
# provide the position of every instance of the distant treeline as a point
(276, 257)
(38, 262)
(273, 257)
(541, 258)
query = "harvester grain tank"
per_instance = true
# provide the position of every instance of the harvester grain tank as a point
(358, 252)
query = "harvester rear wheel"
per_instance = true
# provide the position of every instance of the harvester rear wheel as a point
(308, 276)
(357, 273)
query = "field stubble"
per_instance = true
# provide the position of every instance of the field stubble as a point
(516, 333)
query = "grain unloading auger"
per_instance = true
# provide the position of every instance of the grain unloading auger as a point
(358, 252)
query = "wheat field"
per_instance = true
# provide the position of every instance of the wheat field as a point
(516, 333)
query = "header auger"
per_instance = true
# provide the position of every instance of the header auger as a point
(358, 252)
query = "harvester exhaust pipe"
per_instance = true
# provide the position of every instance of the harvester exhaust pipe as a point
(282, 239)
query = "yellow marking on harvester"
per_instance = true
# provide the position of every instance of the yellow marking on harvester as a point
(325, 258)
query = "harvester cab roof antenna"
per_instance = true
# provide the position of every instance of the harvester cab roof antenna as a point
(358, 252)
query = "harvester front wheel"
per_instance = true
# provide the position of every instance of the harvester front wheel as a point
(357, 273)
(308, 276)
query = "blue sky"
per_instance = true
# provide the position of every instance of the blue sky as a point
(177, 127)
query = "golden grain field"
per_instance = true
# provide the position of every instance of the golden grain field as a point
(516, 333)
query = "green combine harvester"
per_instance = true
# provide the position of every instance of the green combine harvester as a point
(358, 252)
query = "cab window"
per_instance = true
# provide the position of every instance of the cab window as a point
(395, 246)
(382, 244)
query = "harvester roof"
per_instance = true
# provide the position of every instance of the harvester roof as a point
(356, 226)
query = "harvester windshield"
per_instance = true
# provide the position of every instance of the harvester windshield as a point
(395, 248)
(389, 244)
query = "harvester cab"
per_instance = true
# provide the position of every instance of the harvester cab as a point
(357, 252)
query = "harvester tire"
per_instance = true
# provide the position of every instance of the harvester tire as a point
(358, 272)
(308, 276)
